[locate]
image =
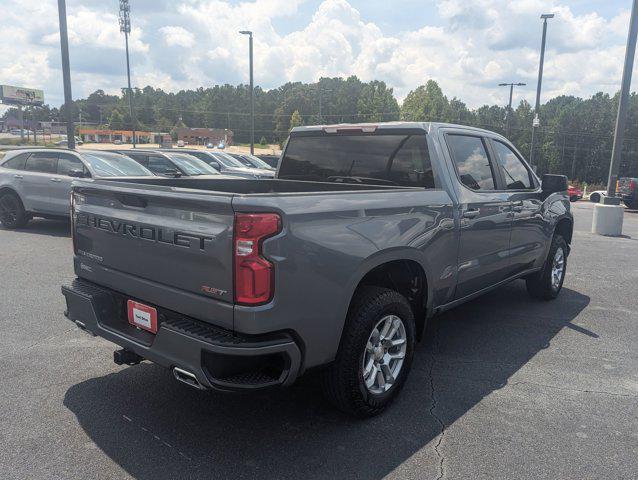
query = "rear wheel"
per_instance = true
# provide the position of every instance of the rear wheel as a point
(547, 284)
(375, 353)
(12, 214)
(632, 205)
(573, 198)
(594, 198)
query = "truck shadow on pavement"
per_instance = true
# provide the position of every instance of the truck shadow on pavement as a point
(52, 228)
(156, 428)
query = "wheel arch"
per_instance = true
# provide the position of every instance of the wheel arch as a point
(565, 228)
(403, 271)
(6, 189)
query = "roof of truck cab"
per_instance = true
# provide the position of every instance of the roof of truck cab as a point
(399, 125)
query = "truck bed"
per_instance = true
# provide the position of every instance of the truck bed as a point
(241, 186)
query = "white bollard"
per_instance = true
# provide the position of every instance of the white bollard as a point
(607, 220)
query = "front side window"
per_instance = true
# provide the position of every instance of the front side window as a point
(68, 162)
(159, 164)
(471, 160)
(517, 176)
(17, 162)
(379, 159)
(42, 162)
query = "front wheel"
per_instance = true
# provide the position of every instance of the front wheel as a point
(594, 198)
(631, 205)
(375, 353)
(547, 284)
(573, 198)
(12, 214)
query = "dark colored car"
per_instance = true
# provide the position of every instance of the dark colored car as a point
(170, 164)
(335, 266)
(628, 190)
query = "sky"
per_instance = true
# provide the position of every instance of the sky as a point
(468, 47)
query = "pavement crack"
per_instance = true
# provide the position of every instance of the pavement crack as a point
(442, 426)
(574, 390)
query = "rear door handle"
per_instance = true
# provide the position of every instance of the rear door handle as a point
(20, 177)
(57, 180)
(473, 213)
(517, 206)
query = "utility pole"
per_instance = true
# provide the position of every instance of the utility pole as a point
(536, 122)
(509, 105)
(608, 215)
(252, 100)
(125, 27)
(66, 75)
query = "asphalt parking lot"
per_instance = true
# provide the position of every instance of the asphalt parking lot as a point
(504, 387)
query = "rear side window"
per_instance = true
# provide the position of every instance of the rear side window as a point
(388, 159)
(470, 157)
(43, 162)
(16, 162)
(68, 162)
(517, 176)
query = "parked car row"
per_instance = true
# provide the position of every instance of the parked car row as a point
(37, 182)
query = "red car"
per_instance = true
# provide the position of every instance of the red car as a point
(574, 193)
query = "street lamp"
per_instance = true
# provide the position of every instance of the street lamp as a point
(509, 105)
(608, 215)
(252, 100)
(125, 27)
(536, 122)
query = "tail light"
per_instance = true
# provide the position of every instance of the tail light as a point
(254, 274)
(632, 185)
(72, 212)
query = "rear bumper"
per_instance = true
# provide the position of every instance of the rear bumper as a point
(218, 358)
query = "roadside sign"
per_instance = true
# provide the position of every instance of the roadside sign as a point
(11, 95)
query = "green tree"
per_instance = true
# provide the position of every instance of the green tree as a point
(295, 119)
(425, 104)
(116, 120)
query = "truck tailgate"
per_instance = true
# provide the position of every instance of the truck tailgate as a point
(140, 241)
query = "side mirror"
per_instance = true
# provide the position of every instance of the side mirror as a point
(76, 173)
(553, 184)
(214, 164)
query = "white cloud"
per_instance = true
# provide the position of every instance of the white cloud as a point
(177, 36)
(468, 48)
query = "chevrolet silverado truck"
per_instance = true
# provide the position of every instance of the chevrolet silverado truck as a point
(332, 267)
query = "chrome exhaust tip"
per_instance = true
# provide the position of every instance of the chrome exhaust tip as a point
(188, 378)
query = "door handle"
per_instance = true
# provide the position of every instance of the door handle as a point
(19, 177)
(473, 213)
(517, 206)
(57, 180)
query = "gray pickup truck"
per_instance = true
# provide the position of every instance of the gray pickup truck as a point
(334, 266)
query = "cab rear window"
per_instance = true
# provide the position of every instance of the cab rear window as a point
(379, 159)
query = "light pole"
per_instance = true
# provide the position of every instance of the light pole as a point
(252, 100)
(125, 27)
(509, 105)
(608, 215)
(66, 75)
(536, 122)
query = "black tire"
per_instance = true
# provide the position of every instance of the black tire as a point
(12, 213)
(573, 198)
(343, 381)
(540, 285)
(594, 198)
(631, 205)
